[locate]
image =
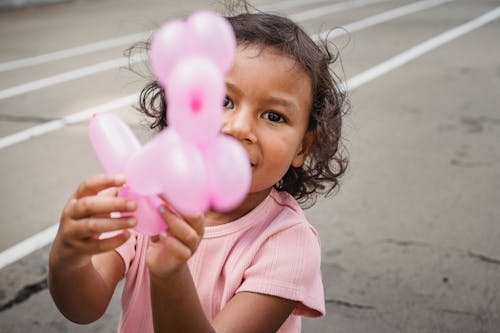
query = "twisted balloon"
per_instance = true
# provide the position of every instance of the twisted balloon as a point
(190, 162)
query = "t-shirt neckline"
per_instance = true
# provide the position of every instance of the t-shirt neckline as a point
(251, 218)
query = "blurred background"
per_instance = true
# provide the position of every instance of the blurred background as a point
(410, 241)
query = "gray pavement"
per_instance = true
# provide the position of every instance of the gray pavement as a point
(410, 242)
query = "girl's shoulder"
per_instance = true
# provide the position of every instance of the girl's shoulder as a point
(288, 212)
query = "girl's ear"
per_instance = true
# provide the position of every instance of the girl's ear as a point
(304, 149)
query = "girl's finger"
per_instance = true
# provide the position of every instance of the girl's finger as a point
(95, 246)
(177, 248)
(181, 230)
(197, 223)
(97, 183)
(109, 192)
(86, 228)
(95, 205)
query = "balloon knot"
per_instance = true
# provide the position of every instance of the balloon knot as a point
(196, 104)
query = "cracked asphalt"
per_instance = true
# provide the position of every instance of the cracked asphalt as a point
(410, 242)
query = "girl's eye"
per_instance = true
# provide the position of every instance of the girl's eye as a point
(228, 103)
(273, 116)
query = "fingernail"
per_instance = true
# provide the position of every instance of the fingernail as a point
(163, 234)
(119, 178)
(131, 222)
(161, 209)
(115, 215)
(131, 205)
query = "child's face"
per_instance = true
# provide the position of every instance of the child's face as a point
(267, 110)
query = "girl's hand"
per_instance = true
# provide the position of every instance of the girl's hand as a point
(86, 216)
(168, 253)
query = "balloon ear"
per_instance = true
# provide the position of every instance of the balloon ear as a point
(213, 37)
(168, 46)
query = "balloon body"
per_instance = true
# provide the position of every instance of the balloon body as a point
(229, 173)
(185, 183)
(167, 48)
(213, 37)
(149, 221)
(113, 141)
(195, 95)
(142, 171)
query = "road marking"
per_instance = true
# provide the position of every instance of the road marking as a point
(116, 42)
(288, 4)
(420, 49)
(124, 61)
(27, 246)
(71, 75)
(45, 237)
(75, 51)
(353, 27)
(379, 18)
(74, 118)
(335, 8)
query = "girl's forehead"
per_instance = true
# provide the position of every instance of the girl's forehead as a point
(253, 54)
(266, 73)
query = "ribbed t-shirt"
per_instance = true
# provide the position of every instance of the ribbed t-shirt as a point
(272, 250)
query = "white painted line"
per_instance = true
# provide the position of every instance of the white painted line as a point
(335, 8)
(379, 18)
(115, 63)
(420, 49)
(68, 120)
(44, 238)
(71, 75)
(289, 4)
(119, 41)
(27, 246)
(75, 51)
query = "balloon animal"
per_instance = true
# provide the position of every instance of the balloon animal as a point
(190, 162)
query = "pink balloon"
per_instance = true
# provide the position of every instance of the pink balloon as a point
(168, 46)
(143, 171)
(212, 36)
(149, 221)
(229, 173)
(184, 178)
(195, 95)
(113, 141)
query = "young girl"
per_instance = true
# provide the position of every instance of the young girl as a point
(253, 269)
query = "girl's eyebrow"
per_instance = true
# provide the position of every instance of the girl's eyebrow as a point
(233, 87)
(285, 102)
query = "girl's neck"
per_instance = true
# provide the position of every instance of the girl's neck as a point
(214, 218)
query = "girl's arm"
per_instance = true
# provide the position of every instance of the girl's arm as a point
(83, 294)
(83, 269)
(175, 303)
(176, 308)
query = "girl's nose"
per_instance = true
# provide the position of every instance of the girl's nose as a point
(239, 124)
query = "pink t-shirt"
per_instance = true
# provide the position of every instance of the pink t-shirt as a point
(271, 250)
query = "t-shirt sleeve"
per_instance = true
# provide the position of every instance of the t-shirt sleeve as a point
(287, 265)
(127, 250)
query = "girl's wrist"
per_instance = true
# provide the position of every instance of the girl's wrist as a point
(172, 280)
(60, 257)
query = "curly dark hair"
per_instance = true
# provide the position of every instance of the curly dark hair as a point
(326, 161)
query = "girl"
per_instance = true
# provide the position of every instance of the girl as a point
(253, 269)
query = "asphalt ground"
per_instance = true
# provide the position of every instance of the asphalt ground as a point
(410, 242)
